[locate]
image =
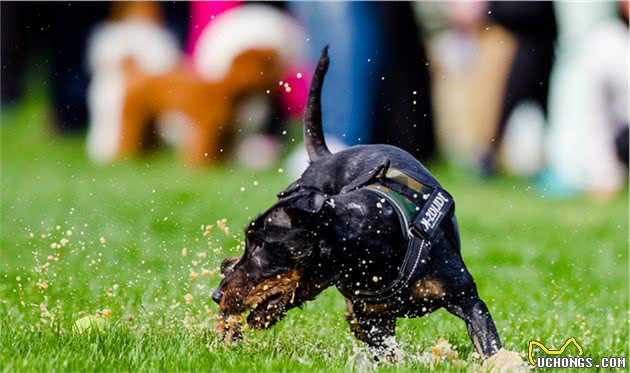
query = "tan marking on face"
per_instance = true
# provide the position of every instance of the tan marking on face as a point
(428, 288)
(229, 323)
(285, 283)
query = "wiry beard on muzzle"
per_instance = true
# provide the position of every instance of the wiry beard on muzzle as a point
(268, 300)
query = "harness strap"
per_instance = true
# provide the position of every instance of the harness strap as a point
(406, 195)
(417, 254)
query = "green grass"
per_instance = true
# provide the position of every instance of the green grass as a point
(547, 269)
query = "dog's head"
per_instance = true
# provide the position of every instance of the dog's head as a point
(281, 266)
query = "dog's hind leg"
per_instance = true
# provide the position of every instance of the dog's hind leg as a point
(376, 330)
(481, 328)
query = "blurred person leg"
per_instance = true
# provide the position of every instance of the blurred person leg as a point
(178, 19)
(589, 101)
(354, 32)
(528, 80)
(621, 144)
(534, 26)
(16, 34)
(466, 58)
(403, 110)
(605, 58)
(70, 27)
(497, 48)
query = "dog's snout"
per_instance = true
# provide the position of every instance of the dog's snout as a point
(217, 295)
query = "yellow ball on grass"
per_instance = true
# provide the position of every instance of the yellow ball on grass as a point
(89, 324)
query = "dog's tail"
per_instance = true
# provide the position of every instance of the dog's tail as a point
(313, 132)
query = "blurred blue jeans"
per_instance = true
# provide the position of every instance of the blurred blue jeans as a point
(355, 33)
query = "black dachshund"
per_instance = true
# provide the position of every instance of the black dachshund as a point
(370, 220)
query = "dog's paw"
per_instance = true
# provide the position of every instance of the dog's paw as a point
(388, 352)
(438, 354)
(504, 361)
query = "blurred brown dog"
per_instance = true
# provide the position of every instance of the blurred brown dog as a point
(209, 107)
(143, 89)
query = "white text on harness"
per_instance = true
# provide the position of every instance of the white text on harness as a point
(434, 212)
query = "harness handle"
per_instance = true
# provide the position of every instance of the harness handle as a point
(377, 173)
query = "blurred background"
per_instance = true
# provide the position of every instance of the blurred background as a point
(128, 130)
(535, 89)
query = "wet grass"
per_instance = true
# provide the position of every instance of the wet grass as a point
(547, 269)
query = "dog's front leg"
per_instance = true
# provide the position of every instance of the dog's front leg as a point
(377, 330)
(481, 328)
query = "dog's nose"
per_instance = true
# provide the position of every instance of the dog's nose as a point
(217, 295)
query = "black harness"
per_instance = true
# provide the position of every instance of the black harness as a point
(421, 209)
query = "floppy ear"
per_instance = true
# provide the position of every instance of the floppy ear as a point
(310, 202)
(301, 205)
(279, 217)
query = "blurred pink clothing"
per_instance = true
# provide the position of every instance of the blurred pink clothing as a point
(293, 100)
(201, 13)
